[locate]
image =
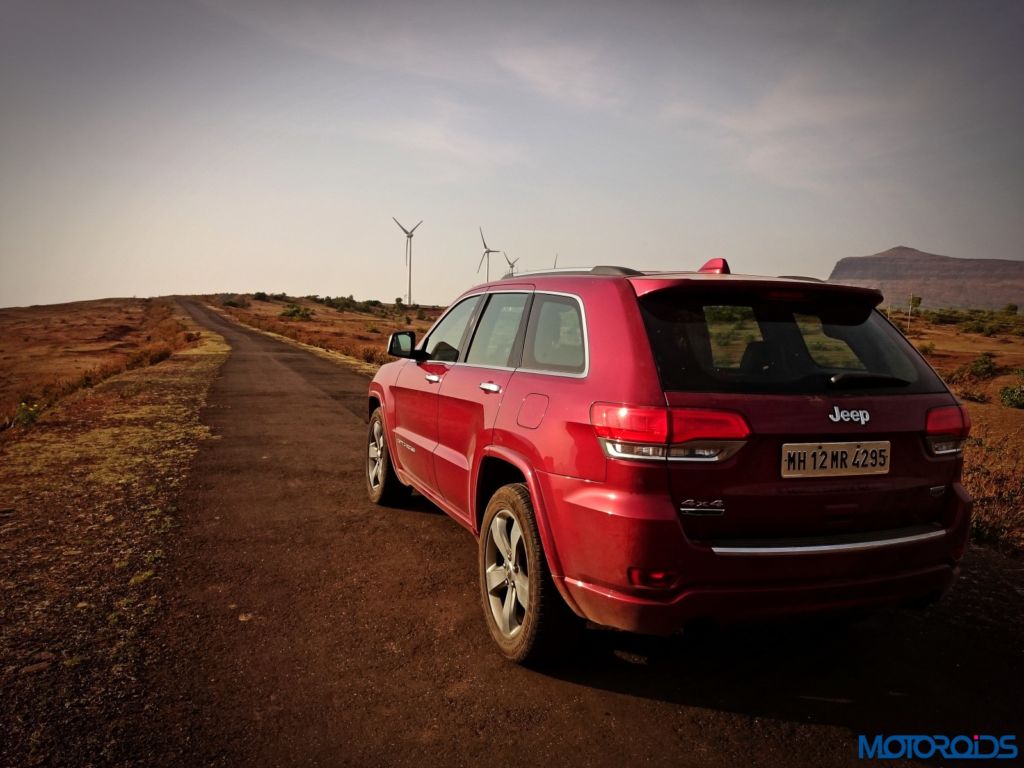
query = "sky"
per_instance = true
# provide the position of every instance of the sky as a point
(197, 146)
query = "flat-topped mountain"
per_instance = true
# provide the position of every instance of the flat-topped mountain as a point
(941, 281)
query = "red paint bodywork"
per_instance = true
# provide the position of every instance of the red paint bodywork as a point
(601, 517)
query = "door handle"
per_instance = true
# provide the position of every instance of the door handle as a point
(489, 386)
(433, 378)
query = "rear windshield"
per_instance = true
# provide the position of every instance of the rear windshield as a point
(725, 342)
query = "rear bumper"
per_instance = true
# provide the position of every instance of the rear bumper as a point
(601, 534)
(724, 604)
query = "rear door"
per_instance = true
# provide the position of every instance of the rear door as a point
(416, 392)
(836, 402)
(471, 394)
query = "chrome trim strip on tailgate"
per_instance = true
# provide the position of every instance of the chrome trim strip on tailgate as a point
(852, 546)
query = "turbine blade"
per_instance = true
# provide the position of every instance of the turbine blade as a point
(414, 228)
(400, 225)
(482, 238)
(481, 261)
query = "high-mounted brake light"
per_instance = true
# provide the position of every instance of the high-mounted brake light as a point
(716, 267)
(946, 428)
(681, 434)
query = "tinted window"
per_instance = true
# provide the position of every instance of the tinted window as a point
(496, 332)
(730, 330)
(445, 340)
(554, 338)
(725, 342)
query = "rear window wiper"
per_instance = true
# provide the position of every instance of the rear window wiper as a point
(855, 379)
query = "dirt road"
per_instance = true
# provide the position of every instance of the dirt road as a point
(316, 629)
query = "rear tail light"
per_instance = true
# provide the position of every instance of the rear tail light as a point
(946, 428)
(680, 434)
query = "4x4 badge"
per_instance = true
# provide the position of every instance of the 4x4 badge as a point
(837, 415)
(697, 507)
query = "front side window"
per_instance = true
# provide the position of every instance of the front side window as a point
(494, 341)
(445, 340)
(554, 336)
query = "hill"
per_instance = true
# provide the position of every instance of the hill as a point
(942, 281)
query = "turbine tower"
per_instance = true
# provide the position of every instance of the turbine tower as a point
(486, 256)
(511, 263)
(408, 253)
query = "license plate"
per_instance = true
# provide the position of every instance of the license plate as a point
(835, 459)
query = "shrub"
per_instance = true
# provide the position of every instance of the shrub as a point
(1012, 397)
(421, 314)
(295, 312)
(974, 395)
(982, 367)
(26, 414)
(261, 296)
(927, 348)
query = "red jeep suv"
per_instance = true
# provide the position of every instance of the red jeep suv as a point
(645, 449)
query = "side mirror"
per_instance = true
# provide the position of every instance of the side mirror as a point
(403, 344)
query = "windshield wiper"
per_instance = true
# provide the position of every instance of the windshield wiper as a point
(855, 379)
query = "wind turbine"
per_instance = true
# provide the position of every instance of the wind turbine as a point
(511, 263)
(408, 253)
(487, 256)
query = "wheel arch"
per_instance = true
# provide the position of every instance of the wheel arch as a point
(501, 466)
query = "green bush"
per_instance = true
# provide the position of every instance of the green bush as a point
(295, 312)
(983, 366)
(926, 348)
(1012, 397)
(26, 414)
(261, 296)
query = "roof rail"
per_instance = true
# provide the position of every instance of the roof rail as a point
(600, 270)
(615, 271)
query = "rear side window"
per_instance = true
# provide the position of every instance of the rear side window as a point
(445, 340)
(723, 341)
(555, 336)
(496, 333)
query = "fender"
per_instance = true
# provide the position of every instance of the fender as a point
(540, 514)
(380, 393)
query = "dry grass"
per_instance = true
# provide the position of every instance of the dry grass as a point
(48, 352)
(86, 521)
(361, 336)
(993, 463)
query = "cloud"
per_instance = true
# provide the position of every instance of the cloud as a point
(802, 132)
(563, 72)
(447, 142)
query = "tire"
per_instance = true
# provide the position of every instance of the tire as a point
(382, 483)
(525, 615)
